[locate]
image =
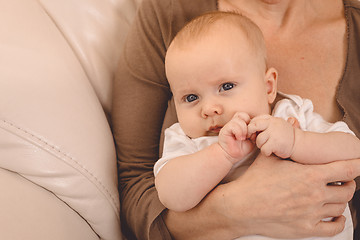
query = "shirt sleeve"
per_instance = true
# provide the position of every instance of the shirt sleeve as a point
(303, 111)
(176, 144)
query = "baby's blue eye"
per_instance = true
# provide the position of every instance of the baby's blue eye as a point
(226, 86)
(191, 98)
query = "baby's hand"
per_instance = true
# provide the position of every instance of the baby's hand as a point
(233, 140)
(276, 135)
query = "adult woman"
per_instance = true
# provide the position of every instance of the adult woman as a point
(312, 44)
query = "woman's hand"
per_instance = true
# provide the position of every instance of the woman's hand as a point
(285, 199)
(275, 198)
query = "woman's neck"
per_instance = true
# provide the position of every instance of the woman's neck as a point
(281, 15)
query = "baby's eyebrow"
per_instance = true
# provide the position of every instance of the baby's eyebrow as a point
(184, 92)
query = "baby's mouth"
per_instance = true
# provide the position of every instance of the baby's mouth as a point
(214, 130)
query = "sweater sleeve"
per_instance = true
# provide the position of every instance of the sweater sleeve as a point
(140, 99)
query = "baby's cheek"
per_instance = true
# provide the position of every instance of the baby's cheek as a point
(191, 130)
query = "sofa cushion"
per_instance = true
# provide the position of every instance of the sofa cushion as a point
(57, 61)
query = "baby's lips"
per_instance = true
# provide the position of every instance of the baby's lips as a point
(215, 129)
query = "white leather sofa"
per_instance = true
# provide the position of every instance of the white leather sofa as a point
(58, 177)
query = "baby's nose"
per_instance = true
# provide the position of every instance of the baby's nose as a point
(211, 109)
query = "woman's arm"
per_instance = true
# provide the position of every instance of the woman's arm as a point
(255, 203)
(140, 98)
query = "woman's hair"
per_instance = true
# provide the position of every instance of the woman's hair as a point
(205, 24)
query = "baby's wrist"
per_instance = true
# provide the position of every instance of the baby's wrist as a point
(225, 155)
(296, 137)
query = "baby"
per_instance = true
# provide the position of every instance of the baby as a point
(224, 93)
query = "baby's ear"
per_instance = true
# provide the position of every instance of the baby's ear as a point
(271, 84)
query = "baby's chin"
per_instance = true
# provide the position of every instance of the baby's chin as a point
(206, 134)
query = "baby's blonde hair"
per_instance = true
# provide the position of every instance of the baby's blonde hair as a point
(205, 24)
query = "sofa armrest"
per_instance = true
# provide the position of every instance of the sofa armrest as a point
(55, 84)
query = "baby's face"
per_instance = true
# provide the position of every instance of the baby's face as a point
(211, 81)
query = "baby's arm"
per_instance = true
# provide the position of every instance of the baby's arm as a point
(279, 137)
(317, 148)
(184, 181)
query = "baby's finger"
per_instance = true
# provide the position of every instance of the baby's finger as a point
(236, 128)
(264, 143)
(257, 125)
(240, 130)
(243, 116)
(262, 139)
(266, 149)
(262, 117)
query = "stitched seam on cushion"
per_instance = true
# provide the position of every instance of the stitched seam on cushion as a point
(11, 125)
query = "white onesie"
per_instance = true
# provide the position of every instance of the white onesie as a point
(176, 144)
